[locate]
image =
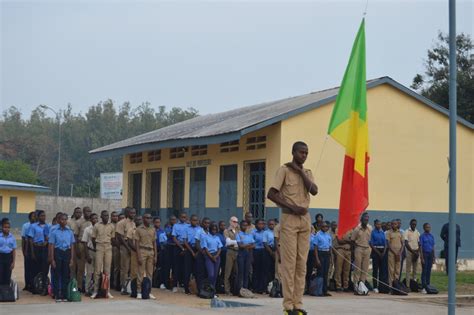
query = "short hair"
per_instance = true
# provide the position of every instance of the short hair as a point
(297, 145)
(319, 215)
(39, 212)
(205, 219)
(5, 221)
(183, 213)
(327, 222)
(156, 218)
(102, 212)
(425, 224)
(412, 220)
(93, 214)
(62, 215)
(258, 221)
(30, 215)
(193, 216)
(376, 221)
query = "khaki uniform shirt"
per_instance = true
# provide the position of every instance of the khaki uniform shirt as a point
(146, 236)
(276, 231)
(413, 238)
(333, 238)
(346, 237)
(291, 186)
(103, 233)
(361, 236)
(83, 225)
(394, 239)
(125, 227)
(77, 226)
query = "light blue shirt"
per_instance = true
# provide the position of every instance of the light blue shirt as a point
(54, 228)
(179, 230)
(200, 234)
(312, 241)
(212, 243)
(191, 232)
(7, 243)
(258, 237)
(62, 238)
(38, 232)
(323, 240)
(269, 238)
(245, 238)
(24, 229)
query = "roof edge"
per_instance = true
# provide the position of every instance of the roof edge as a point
(34, 189)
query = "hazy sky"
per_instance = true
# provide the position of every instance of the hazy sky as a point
(212, 55)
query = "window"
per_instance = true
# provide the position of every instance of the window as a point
(256, 143)
(13, 204)
(135, 158)
(178, 152)
(231, 146)
(254, 188)
(197, 150)
(134, 196)
(154, 155)
(153, 192)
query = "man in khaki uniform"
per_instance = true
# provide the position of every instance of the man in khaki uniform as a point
(276, 234)
(290, 190)
(115, 269)
(232, 252)
(361, 238)
(81, 225)
(332, 263)
(89, 253)
(412, 244)
(72, 223)
(102, 234)
(123, 228)
(249, 218)
(133, 248)
(342, 250)
(395, 249)
(145, 243)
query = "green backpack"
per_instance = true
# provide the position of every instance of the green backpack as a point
(73, 294)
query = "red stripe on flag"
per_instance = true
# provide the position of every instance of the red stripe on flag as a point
(354, 196)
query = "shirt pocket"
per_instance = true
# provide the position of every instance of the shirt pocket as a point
(292, 182)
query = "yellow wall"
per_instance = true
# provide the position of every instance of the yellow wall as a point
(26, 200)
(409, 147)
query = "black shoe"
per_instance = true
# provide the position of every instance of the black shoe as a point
(327, 294)
(346, 290)
(299, 312)
(339, 290)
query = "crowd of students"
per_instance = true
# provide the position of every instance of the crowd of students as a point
(186, 252)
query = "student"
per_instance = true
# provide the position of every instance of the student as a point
(322, 254)
(269, 243)
(412, 255)
(332, 261)
(258, 265)
(191, 252)
(310, 263)
(223, 256)
(232, 250)
(55, 223)
(200, 260)
(160, 246)
(249, 218)
(395, 249)
(27, 252)
(319, 218)
(7, 253)
(121, 230)
(246, 243)
(61, 253)
(211, 245)
(121, 217)
(361, 237)
(89, 253)
(179, 235)
(133, 248)
(145, 243)
(81, 225)
(74, 223)
(115, 268)
(427, 244)
(168, 252)
(276, 233)
(378, 244)
(102, 235)
(38, 242)
(343, 262)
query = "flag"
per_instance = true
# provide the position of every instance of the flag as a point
(348, 126)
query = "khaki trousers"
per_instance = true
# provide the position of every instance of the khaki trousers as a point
(90, 269)
(361, 261)
(133, 265)
(343, 268)
(230, 267)
(124, 265)
(103, 261)
(146, 268)
(332, 266)
(393, 268)
(411, 266)
(80, 266)
(115, 269)
(294, 246)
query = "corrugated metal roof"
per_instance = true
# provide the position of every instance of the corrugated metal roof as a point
(6, 184)
(231, 125)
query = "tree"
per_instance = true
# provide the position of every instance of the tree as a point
(434, 84)
(17, 171)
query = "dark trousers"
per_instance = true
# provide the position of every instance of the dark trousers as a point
(41, 263)
(259, 272)
(200, 269)
(178, 267)
(223, 257)
(61, 274)
(244, 263)
(309, 267)
(189, 269)
(269, 267)
(29, 265)
(323, 270)
(212, 268)
(166, 266)
(377, 268)
(426, 269)
(446, 253)
(5, 268)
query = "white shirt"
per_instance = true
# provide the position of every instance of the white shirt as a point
(87, 237)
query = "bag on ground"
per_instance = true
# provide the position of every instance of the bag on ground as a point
(246, 293)
(275, 290)
(398, 288)
(414, 286)
(146, 288)
(40, 284)
(133, 288)
(207, 290)
(431, 289)
(316, 286)
(72, 292)
(156, 278)
(6, 293)
(332, 285)
(361, 289)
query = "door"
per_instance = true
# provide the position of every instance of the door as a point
(155, 192)
(257, 190)
(177, 191)
(197, 191)
(228, 190)
(137, 191)
(13, 204)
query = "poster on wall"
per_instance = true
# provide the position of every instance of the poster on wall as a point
(111, 185)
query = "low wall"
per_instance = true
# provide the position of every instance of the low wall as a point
(51, 205)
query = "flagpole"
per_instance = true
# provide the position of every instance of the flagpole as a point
(452, 159)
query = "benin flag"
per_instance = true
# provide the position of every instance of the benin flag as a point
(348, 126)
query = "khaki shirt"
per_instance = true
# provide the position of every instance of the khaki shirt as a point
(291, 186)
(87, 236)
(361, 236)
(333, 238)
(346, 237)
(394, 239)
(146, 236)
(76, 225)
(413, 238)
(82, 226)
(124, 228)
(276, 231)
(103, 233)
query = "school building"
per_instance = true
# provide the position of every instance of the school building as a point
(18, 199)
(222, 164)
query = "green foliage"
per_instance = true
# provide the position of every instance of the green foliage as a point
(434, 84)
(17, 171)
(464, 282)
(35, 140)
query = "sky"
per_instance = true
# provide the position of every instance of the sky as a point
(210, 55)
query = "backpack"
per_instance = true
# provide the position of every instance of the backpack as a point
(368, 285)
(72, 293)
(40, 284)
(398, 288)
(275, 290)
(332, 285)
(207, 290)
(316, 286)
(157, 278)
(133, 288)
(431, 290)
(146, 288)
(361, 289)
(6, 293)
(414, 286)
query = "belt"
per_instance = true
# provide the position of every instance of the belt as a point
(63, 250)
(379, 246)
(232, 248)
(286, 211)
(145, 247)
(91, 249)
(324, 250)
(343, 248)
(40, 244)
